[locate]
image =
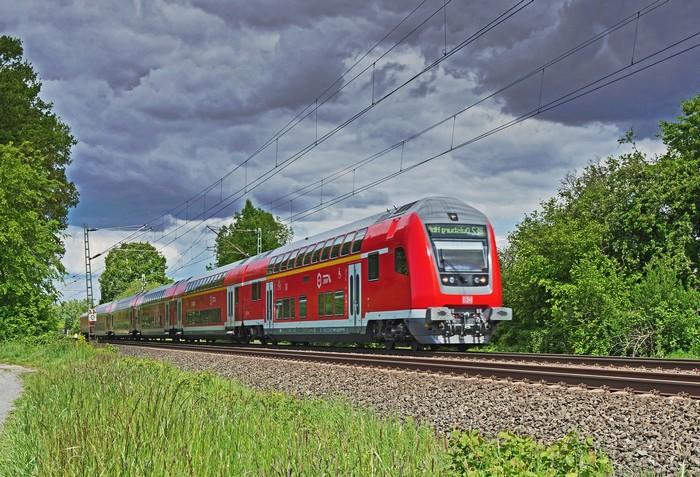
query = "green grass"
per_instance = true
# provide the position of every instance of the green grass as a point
(90, 412)
(109, 415)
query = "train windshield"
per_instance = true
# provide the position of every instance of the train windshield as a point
(461, 256)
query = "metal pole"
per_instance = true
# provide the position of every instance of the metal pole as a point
(88, 279)
(88, 268)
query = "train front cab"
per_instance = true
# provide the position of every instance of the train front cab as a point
(433, 278)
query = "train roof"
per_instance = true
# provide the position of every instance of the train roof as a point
(156, 293)
(429, 209)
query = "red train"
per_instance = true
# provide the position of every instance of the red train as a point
(425, 274)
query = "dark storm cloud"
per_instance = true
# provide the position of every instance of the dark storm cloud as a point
(546, 30)
(169, 97)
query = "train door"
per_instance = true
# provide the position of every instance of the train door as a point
(178, 312)
(166, 318)
(355, 293)
(232, 302)
(269, 305)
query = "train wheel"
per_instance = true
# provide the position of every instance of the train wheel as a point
(390, 344)
(416, 346)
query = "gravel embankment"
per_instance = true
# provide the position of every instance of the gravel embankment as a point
(636, 431)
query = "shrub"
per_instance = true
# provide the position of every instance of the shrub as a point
(520, 456)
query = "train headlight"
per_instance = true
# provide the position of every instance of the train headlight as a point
(444, 279)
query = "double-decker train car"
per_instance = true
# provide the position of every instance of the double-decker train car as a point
(426, 273)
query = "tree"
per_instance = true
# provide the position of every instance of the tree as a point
(35, 196)
(679, 188)
(24, 117)
(239, 240)
(133, 261)
(30, 245)
(610, 264)
(68, 313)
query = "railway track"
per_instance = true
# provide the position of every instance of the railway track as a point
(616, 374)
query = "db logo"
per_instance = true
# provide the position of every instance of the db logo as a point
(467, 300)
(322, 279)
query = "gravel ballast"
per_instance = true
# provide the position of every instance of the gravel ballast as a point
(638, 432)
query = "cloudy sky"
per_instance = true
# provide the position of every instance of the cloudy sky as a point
(184, 109)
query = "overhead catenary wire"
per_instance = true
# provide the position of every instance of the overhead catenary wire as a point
(541, 108)
(252, 185)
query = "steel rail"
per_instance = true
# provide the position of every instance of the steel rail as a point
(589, 360)
(615, 379)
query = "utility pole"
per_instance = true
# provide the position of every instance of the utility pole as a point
(88, 266)
(92, 317)
(88, 281)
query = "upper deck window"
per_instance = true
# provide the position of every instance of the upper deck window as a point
(283, 263)
(317, 252)
(357, 243)
(335, 250)
(300, 257)
(326, 250)
(347, 243)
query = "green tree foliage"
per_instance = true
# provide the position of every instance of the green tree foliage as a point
(131, 262)
(30, 246)
(34, 197)
(67, 314)
(609, 265)
(24, 117)
(238, 240)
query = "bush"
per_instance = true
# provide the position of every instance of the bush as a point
(515, 456)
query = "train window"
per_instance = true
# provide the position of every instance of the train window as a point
(276, 264)
(373, 266)
(347, 243)
(256, 291)
(300, 257)
(329, 304)
(335, 250)
(339, 306)
(317, 252)
(285, 308)
(326, 250)
(302, 306)
(307, 257)
(290, 262)
(278, 309)
(283, 263)
(400, 261)
(291, 308)
(321, 305)
(357, 243)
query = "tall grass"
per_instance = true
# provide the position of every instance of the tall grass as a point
(116, 416)
(89, 412)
